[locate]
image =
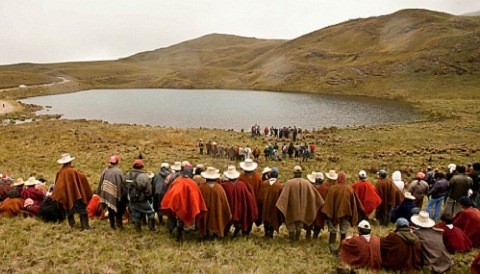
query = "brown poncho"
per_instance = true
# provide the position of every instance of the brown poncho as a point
(71, 186)
(342, 202)
(299, 201)
(11, 207)
(358, 252)
(401, 250)
(391, 195)
(435, 255)
(266, 202)
(218, 211)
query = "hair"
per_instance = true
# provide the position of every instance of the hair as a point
(439, 175)
(447, 218)
(476, 166)
(198, 171)
(364, 231)
(461, 169)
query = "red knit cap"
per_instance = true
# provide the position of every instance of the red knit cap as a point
(114, 159)
(138, 163)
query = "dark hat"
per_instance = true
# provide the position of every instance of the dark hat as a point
(466, 201)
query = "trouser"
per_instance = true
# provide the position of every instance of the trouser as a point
(78, 207)
(295, 226)
(344, 225)
(141, 208)
(437, 204)
(452, 206)
(383, 218)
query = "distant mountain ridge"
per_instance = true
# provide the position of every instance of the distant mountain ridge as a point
(407, 44)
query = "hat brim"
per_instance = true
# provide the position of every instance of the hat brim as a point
(232, 176)
(210, 175)
(332, 177)
(415, 219)
(311, 178)
(19, 184)
(65, 161)
(34, 183)
(176, 168)
(411, 197)
(252, 168)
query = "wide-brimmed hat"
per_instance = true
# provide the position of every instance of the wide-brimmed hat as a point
(364, 224)
(266, 169)
(18, 182)
(177, 166)
(231, 173)
(32, 181)
(211, 173)
(65, 158)
(423, 220)
(332, 174)
(248, 165)
(409, 195)
(314, 176)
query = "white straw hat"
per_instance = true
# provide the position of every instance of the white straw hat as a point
(231, 173)
(18, 182)
(65, 158)
(423, 220)
(177, 166)
(409, 195)
(32, 181)
(266, 169)
(314, 176)
(332, 174)
(210, 173)
(248, 165)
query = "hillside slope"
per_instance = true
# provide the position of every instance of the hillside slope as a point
(361, 56)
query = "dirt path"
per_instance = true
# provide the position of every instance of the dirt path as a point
(64, 81)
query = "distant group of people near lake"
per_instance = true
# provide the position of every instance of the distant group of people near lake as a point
(217, 205)
(271, 152)
(284, 132)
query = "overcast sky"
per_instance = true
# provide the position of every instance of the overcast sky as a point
(53, 31)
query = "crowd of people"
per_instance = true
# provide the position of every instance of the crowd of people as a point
(284, 132)
(227, 204)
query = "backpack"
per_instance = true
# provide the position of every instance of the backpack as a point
(134, 192)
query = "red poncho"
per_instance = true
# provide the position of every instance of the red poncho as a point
(36, 195)
(358, 252)
(323, 190)
(184, 200)
(94, 208)
(468, 220)
(242, 204)
(475, 267)
(368, 195)
(71, 186)
(455, 239)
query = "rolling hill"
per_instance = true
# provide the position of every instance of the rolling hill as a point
(356, 56)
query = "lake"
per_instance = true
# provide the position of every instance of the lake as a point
(225, 109)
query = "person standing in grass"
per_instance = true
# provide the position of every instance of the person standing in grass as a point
(139, 191)
(251, 178)
(212, 224)
(241, 201)
(468, 220)
(112, 190)
(342, 208)
(391, 197)
(418, 188)
(316, 178)
(366, 193)
(459, 186)
(437, 194)
(72, 190)
(268, 195)
(299, 203)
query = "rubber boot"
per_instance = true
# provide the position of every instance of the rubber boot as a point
(151, 224)
(297, 234)
(84, 222)
(315, 235)
(179, 233)
(111, 218)
(235, 232)
(331, 242)
(308, 234)
(71, 220)
(291, 236)
(138, 226)
(342, 237)
(119, 223)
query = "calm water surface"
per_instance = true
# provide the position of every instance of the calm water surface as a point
(227, 109)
